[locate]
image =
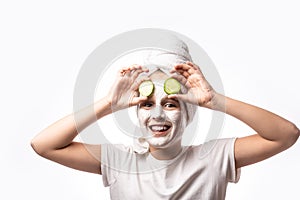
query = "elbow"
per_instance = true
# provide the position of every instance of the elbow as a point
(35, 147)
(292, 135)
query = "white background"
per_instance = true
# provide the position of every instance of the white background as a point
(254, 45)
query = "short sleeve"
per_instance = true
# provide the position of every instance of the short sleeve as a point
(108, 175)
(113, 159)
(221, 151)
(233, 174)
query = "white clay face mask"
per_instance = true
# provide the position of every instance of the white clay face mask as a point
(161, 118)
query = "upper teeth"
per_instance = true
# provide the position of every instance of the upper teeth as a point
(159, 128)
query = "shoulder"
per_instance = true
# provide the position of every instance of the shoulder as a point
(115, 158)
(217, 146)
(220, 153)
(114, 152)
(116, 147)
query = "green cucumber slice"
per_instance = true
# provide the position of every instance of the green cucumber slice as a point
(146, 88)
(171, 86)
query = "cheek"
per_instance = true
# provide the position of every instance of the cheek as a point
(178, 119)
(174, 116)
(143, 115)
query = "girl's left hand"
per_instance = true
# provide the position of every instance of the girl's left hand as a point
(200, 92)
(124, 92)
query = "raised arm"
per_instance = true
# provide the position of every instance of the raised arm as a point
(274, 134)
(56, 141)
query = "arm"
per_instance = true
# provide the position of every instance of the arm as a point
(56, 141)
(274, 134)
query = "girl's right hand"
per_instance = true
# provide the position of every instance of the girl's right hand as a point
(200, 92)
(124, 92)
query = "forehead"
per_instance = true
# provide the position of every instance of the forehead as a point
(158, 76)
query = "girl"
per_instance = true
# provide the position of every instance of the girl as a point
(158, 166)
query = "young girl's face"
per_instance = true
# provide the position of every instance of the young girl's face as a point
(160, 117)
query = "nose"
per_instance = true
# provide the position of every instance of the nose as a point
(158, 113)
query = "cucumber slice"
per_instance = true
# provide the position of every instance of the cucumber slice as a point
(171, 86)
(146, 88)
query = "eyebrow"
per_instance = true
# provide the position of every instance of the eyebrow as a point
(166, 98)
(151, 98)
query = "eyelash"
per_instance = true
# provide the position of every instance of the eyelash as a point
(167, 105)
(147, 105)
(170, 105)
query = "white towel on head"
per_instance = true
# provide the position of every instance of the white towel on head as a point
(174, 51)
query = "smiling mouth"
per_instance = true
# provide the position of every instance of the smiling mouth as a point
(160, 130)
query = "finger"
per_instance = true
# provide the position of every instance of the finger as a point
(137, 72)
(185, 67)
(127, 73)
(124, 71)
(182, 80)
(185, 74)
(173, 70)
(196, 67)
(134, 67)
(182, 72)
(180, 97)
(129, 69)
(137, 100)
(177, 68)
(138, 81)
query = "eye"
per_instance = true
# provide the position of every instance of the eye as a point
(170, 105)
(146, 105)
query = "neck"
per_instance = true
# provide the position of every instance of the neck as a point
(166, 153)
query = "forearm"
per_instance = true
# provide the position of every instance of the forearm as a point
(268, 125)
(61, 133)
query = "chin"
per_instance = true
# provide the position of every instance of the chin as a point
(158, 142)
(162, 141)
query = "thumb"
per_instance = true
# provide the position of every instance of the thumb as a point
(136, 100)
(184, 98)
(181, 97)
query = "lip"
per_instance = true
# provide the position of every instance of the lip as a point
(161, 133)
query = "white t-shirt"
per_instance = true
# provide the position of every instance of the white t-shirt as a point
(199, 172)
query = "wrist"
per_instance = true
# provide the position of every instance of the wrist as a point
(102, 107)
(107, 101)
(218, 102)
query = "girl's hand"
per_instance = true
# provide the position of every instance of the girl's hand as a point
(199, 91)
(124, 92)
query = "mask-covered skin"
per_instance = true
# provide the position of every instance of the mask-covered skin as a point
(162, 119)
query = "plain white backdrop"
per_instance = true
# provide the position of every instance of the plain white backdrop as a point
(254, 45)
